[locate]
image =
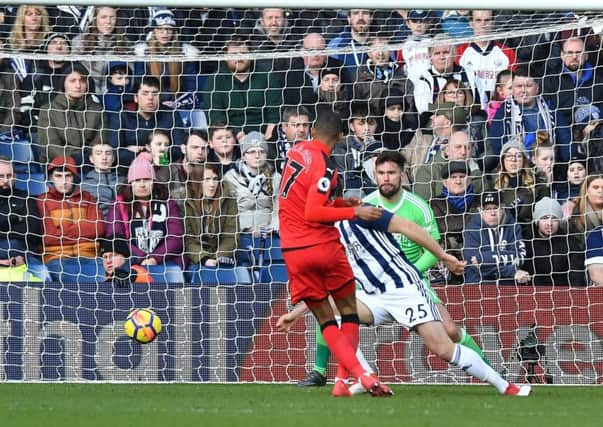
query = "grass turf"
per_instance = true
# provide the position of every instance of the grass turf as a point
(251, 405)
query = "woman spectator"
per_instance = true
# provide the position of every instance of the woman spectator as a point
(72, 119)
(460, 93)
(147, 220)
(176, 77)
(102, 37)
(588, 211)
(30, 29)
(255, 186)
(453, 208)
(519, 187)
(569, 190)
(549, 258)
(210, 218)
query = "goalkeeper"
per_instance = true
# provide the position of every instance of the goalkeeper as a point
(389, 167)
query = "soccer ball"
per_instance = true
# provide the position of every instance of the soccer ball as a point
(142, 325)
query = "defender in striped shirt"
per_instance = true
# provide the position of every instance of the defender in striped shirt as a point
(391, 289)
(390, 195)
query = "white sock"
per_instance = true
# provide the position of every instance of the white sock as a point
(469, 361)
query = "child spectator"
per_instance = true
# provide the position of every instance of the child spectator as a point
(350, 154)
(502, 90)
(543, 157)
(102, 181)
(210, 218)
(493, 245)
(120, 91)
(549, 259)
(147, 221)
(415, 52)
(166, 172)
(255, 187)
(395, 130)
(223, 146)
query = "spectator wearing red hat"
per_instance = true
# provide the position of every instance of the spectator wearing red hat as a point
(72, 220)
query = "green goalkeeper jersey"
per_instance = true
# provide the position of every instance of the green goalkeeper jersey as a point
(412, 208)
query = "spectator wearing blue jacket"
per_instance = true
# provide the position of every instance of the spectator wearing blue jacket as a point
(130, 132)
(493, 245)
(525, 113)
(354, 36)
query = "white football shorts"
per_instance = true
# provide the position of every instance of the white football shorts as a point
(409, 306)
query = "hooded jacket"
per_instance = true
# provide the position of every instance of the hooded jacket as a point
(103, 187)
(67, 127)
(72, 224)
(499, 251)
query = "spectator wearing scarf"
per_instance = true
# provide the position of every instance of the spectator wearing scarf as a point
(255, 186)
(454, 206)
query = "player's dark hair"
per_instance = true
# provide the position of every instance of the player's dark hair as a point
(328, 124)
(390, 156)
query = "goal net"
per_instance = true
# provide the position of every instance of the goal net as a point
(141, 151)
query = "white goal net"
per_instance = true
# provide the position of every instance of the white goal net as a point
(141, 151)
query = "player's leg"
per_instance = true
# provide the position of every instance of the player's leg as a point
(350, 324)
(456, 333)
(317, 377)
(437, 341)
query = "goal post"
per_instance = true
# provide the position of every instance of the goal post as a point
(61, 317)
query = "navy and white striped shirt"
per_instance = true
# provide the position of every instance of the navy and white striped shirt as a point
(377, 261)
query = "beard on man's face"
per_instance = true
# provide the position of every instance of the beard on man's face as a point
(389, 190)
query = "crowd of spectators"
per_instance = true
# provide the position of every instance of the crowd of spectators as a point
(164, 159)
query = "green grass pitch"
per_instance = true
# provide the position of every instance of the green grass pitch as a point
(263, 405)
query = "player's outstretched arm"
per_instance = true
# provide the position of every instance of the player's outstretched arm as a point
(421, 237)
(287, 320)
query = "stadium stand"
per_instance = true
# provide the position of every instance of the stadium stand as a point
(409, 81)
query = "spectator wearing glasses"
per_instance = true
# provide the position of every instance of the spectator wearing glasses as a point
(574, 82)
(517, 183)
